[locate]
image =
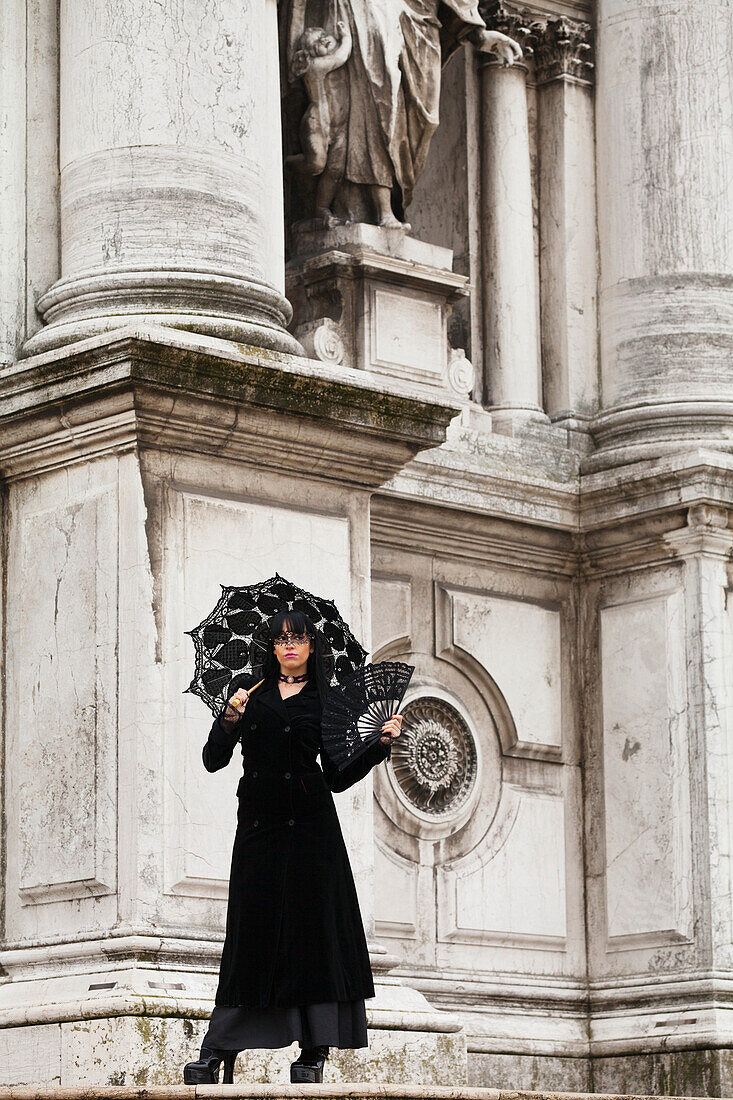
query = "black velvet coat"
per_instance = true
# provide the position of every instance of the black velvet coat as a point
(294, 931)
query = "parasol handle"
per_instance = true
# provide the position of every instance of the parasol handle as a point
(249, 692)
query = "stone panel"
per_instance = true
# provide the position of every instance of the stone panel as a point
(513, 889)
(395, 892)
(407, 334)
(213, 541)
(65, 625)
(646, 769)
(391, 611)
(518, 643)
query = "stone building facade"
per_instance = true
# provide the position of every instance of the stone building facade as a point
(500, 440)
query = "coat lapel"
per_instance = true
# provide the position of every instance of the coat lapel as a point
(273, 699)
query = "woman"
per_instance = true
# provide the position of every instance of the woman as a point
(295, 963)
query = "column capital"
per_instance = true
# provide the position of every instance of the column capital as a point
(515, 22)
(563, 50)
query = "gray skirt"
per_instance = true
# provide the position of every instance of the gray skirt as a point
(331, 1024)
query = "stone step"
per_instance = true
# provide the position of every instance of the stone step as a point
(342, 1091)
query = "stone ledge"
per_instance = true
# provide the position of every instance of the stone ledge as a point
(313, 1092)
(167, 388)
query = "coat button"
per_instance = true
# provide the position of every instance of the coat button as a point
(291, 822)
(287, 729)
(254, 775)
(255, 823)
(287, 775)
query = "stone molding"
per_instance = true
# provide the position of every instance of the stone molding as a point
(213, 303)
(603, 523)
(461, 372)
(164, 388)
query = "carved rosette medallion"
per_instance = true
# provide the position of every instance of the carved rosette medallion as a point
(434, 761)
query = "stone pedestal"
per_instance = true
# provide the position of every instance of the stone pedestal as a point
(144, 468)
(171, 191)
(377, 300)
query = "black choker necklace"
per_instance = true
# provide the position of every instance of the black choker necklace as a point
(294, 679)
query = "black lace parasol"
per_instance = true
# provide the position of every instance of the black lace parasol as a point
(233, 640)
(356, 710)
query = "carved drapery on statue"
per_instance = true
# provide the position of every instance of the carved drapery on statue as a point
(361, 80)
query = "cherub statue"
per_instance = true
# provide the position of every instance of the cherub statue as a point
(317, 58)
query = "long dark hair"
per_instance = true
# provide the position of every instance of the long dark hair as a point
(317, 668)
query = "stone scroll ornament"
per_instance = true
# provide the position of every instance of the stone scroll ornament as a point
(361, 84)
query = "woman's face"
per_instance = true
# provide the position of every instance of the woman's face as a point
(292, 651)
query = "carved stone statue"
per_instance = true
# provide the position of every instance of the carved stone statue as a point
(363, 79)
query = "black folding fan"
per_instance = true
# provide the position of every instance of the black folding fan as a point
(356, 710)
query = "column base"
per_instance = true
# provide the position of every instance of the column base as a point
(206, 302)
(634, 432)
(515, 420)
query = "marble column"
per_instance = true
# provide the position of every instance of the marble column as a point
(171, 193)
(665, 214)
(12, 158)
(513, 380)
(567, 201)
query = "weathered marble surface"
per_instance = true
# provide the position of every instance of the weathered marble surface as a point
(170, 203)
(665, 178)
(511, 312)
(117, 1056)
(113, 926)
(568, 250)
(393, 1092)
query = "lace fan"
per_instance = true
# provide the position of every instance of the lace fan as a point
(357, 708)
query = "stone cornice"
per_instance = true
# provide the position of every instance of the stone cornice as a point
(596, 524)
(164, 388)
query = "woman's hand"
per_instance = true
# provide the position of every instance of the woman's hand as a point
(235, 706)
(392, 727)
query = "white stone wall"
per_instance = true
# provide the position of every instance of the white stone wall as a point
(488, 906)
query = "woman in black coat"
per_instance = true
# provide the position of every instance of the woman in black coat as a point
(295, 963)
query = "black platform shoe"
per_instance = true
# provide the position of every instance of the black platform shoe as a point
(206, 1070)
(308, 1068)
